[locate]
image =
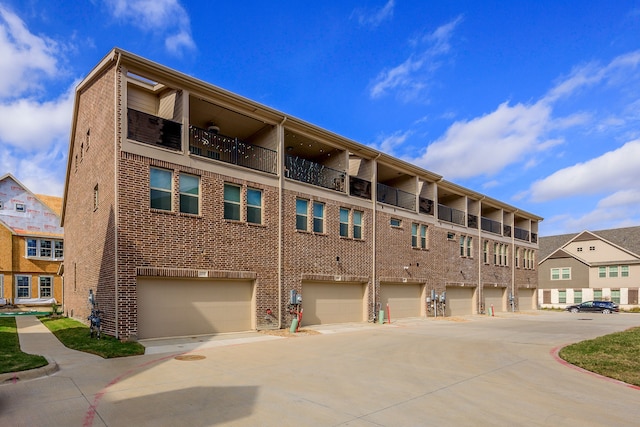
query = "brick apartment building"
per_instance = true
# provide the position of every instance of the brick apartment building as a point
(191, 210)
(31, 245)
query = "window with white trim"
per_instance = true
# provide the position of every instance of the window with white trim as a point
(624, 271)
(344, 222)
(357, 224)
(318, 217)
(485, 252)
(602, 272)
(45, 286)
(466, 245)
(302, 214)
(418, 236)
(232, 202)
(395, 222)
(613, 271)
(189, 187)
(254, 206)
(563, 273)
(45, 249)
(23, 286)
(160, 188)
(20, 207)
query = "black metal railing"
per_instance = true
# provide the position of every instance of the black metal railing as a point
(425, 206)
(359, 187)
(396, 197)
(455, 216)
(305, 170)
(472, 221)
(506, 231)
(521, 234)
(490, 225)
(232, 150)
(154, 130)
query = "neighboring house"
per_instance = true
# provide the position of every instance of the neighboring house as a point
(191, 210)
(31, 245)
(591, 265)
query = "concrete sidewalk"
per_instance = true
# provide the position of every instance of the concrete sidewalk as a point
(35, 338)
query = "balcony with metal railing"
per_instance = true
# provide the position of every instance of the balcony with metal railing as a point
(232, 150)
(359, 187)
(310, 172)
(452, 215)
(490, 225)
(521, 234)
(425, 206)
(154, 130)
(396, 197)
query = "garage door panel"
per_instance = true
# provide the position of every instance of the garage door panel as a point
(526, 299)
(330, 302)
(405, 300)
(495, 297)
(193, 307)
(459, 301)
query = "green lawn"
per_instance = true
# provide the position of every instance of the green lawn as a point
(75, 335)
(11, 358)
(615, 356)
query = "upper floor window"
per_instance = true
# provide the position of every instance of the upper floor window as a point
(613, 271)
(419, 236)
(602, 272)
(44, 248)
(466, 246)
(395, 222)
(485, 252)
(254, 206)
(302, 214)
(563, 273)
(318, 217)
(232, 202)
(160, 188)
(517, 257)
(189, 194)
(344, 222)
(357, 224)
(20, 207)
(624, 271)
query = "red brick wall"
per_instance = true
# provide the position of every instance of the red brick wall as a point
(90, 235)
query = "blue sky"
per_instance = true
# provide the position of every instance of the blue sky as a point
(535, 103)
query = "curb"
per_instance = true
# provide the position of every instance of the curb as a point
(30, 374)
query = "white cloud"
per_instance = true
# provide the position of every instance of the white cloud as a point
(389, 143)
(27, 58)
(373, 18)
(411, 77)
(510, 134)
(158, 16)
(615, 170)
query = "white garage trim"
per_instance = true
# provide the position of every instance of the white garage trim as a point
(496, 297)
(333, 302)
(170, 307)
(527, 299)
(405, 300)
(461, 300)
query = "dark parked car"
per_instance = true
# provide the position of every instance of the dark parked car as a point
(605, 307)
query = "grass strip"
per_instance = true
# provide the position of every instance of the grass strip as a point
(75, 335)
(12, 359)
(615, 355)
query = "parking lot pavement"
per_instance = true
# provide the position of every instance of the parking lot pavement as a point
(468, 371)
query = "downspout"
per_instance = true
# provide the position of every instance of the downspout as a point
(280, 213)
(374, 195)
(115, 202)
(513, 264)
(480, 254)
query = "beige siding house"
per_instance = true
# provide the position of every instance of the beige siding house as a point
(590, 265)
(191, 210)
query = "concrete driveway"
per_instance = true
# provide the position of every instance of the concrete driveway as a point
(472, 371)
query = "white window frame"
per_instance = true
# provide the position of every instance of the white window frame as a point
(161, 189)
(188, 194)
(318, 220)
(18, 276)
(40, 287)
(21, 207)
(602, 272)
(234, 203)
(344, 226)
(302, 214)
(624, 271)
(395, 222)
(254, 207)
(613, 271)
(358, 226)
(56, 248)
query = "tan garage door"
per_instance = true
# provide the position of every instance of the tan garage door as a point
(332, 302)
(170, 307)
(404, 300)
(526, 299)
(459, 301)
(495, 297)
